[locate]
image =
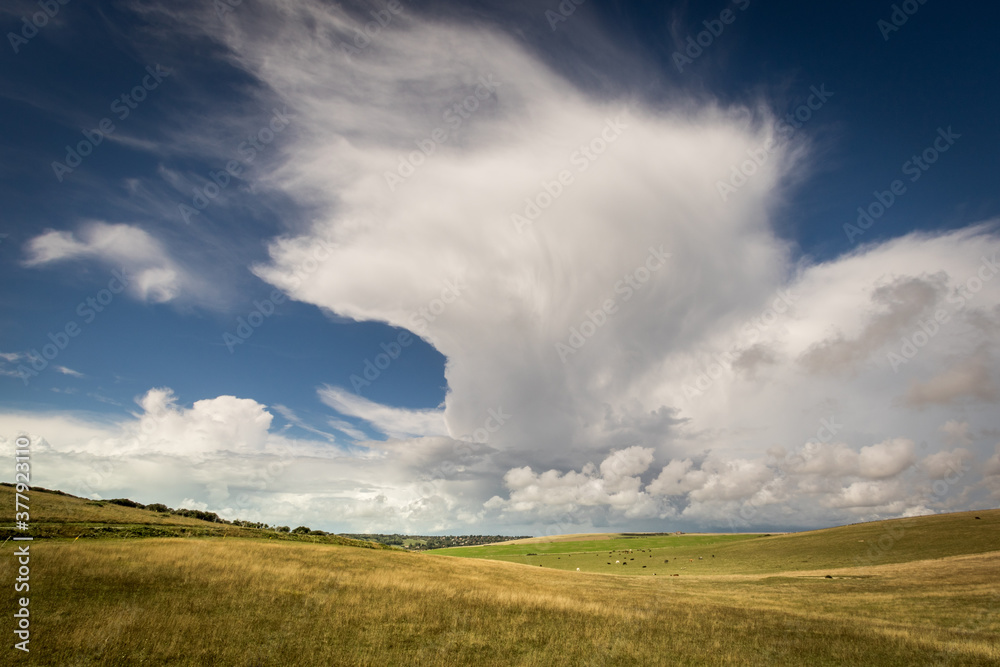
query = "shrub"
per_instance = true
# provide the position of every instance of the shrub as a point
(125, 502)
(200, 514)
(301, 530)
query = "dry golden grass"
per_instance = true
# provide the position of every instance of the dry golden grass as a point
(929, 597)
(56, 508)
(55, 515)
(252, 602)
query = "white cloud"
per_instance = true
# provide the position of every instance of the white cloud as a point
(346, 428)
(992, 467)
(221, 454)
(615, 484)
(969, 379)
(293, 419)
(867, 494)
(150, 272)
(805, 342)
(886, 459)
(729, 350)
(947, 463)
(395, 422)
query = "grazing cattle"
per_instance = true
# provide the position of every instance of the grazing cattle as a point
(675, 575)
(617, 561)
(644, 566)
(700, 558)
(666, 560)
(577, 569)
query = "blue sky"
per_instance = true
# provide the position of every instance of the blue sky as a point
(695, 398)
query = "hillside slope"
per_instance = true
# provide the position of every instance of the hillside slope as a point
(875, 543)
(55, 514)
(254, 602)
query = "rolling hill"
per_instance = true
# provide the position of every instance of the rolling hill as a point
(213, 594)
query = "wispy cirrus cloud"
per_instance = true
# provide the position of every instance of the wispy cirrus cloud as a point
(394, 422)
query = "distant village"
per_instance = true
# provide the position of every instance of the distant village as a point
(422, 542)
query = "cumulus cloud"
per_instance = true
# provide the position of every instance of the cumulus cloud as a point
(968, 379)
(615, 485)
(866, 494)
(697, 341)
(222, 454)
(943, 464)
(886, 459)
(727, 348)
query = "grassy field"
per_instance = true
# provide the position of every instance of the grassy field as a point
(253, 602)
(930, 599)
(883, 542)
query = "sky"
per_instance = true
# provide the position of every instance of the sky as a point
(516, 268)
